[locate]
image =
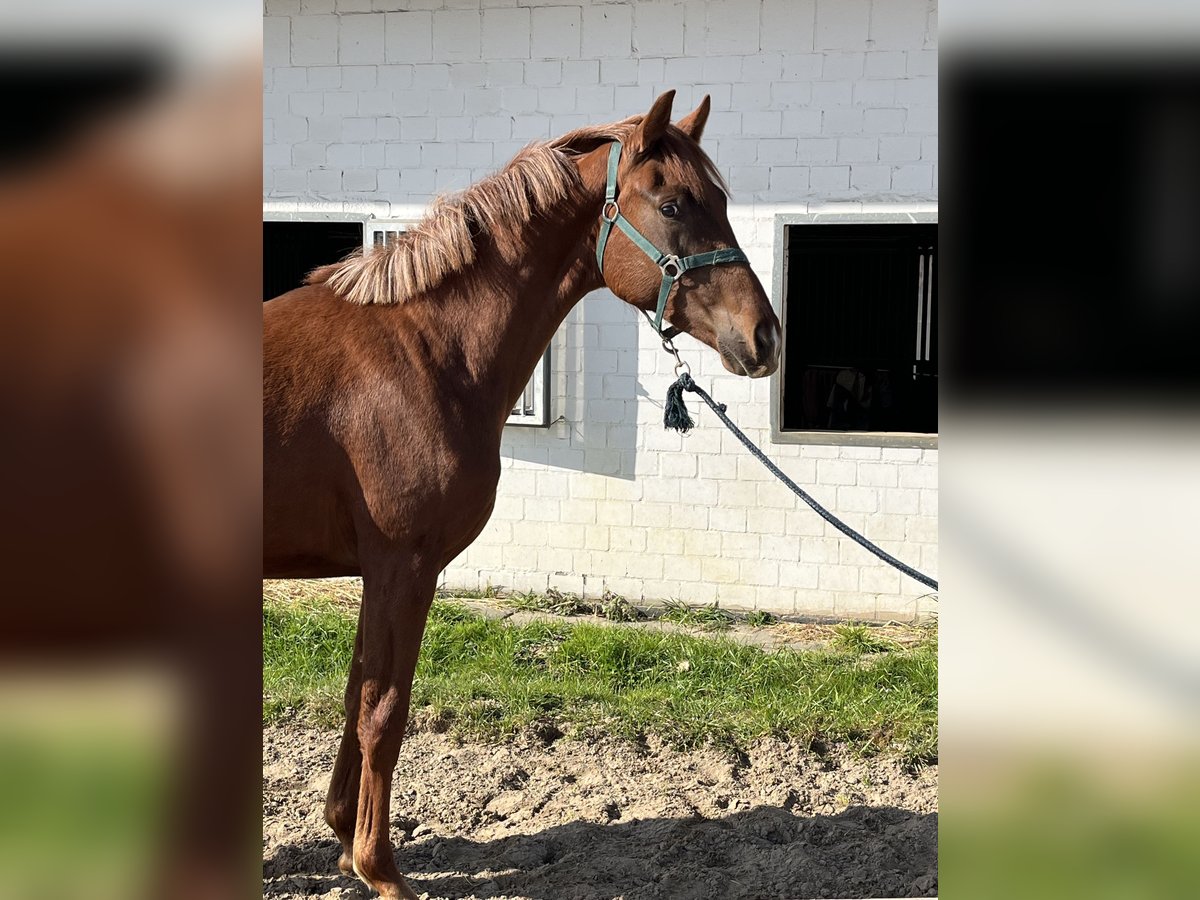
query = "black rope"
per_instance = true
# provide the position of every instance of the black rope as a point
(685, 383)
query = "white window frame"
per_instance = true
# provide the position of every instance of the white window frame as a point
(899, 216)
(532, 409)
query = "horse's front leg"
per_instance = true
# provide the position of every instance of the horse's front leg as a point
(341, 803)
(396, 598)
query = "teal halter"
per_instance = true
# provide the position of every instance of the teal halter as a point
(672, 266)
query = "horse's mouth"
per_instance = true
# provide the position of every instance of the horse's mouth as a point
(749, 368)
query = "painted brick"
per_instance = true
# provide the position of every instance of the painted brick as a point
(543, 72)
(857, 499)
(581, 71)
(879, 579)
(922, 529)
(902, 501)
(277, 41)
(921, 120)
(912, 179)
(505, 34)
(832, 93)
(360, 78)
(899, 149)
(842, 121)
(870, 178)
(650, 71)
(732, 27)
(502, 74)
(359, 179)
(898, 24)
(885, 527)
(858, 149)
(555, 33)
(842, 66)
(681, 69)
(788, 25)
(315, 41)
(842, 24)
(718, 569)
(886, 64)
(607, 31)
(468, 75)
(798, 575)
(789, 181)
(922, 62)
(323, 78)
(556, 99)
(774, 150)
(838, 578)
(360, 41)
(408, 37)
(762, 67)
(756, 573)
(658, 29)
(883, 121)
(802, 66)
(798, 122)
(829, 178)
(879, 93)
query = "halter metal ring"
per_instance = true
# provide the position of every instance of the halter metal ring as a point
(616, 211)
(671, 262)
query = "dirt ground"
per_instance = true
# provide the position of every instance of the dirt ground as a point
(578, 820)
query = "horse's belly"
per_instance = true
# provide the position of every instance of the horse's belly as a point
(307, 529)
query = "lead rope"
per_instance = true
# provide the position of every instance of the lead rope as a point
(675, 416)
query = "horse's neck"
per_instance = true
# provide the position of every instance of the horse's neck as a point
(516, 310)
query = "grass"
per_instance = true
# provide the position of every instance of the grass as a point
(760, 619)
(491, 592)
(482, 678)
(710, 618)
(611, 606)
(856, 638)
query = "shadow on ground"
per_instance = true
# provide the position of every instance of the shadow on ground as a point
(763, 852)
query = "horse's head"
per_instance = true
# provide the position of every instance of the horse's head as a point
(671, 193)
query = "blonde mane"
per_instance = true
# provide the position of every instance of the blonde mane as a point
(445, 242)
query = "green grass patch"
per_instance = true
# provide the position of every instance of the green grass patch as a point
(611, 606)
(491, 592)
(760, 619)
(486, 679)
(858, 639)
(710, 618)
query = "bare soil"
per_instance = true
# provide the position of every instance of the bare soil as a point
(580, 820)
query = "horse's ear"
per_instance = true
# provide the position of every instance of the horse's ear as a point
(693, 123)
(653, 125)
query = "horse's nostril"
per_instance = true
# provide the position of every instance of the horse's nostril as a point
(766, 339)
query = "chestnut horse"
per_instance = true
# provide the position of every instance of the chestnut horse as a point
(388, 377)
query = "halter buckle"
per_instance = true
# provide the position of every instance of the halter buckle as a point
(616, 211)
(671, 262)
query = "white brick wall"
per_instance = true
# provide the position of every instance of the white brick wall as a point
(818, 105)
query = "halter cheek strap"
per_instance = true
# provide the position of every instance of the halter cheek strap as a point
(672, 266)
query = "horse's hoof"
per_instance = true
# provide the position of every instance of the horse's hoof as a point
(398, 890)
(387, 890)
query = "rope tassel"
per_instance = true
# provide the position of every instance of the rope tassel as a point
(675, 411)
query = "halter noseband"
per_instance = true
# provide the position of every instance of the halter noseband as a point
(672, 266)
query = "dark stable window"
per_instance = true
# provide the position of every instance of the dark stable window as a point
(293, 249)
(860, 328)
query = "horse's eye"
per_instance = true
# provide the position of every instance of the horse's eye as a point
(670, 210)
